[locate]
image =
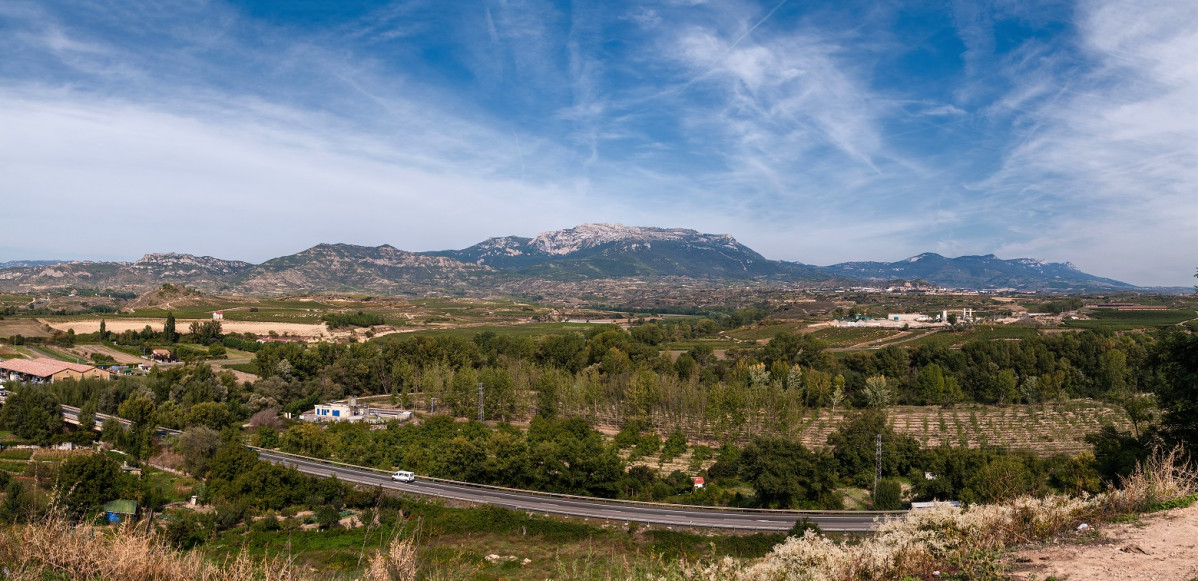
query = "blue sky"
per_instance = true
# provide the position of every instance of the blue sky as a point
(812, 131)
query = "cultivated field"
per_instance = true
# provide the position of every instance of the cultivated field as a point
(24, 327)
(86, 351)
(1055, 428)
(1120, 320)
(851, 336)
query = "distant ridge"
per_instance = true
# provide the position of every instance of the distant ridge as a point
(982, 272)
(326, 267)
(26, 263)
(587, 251)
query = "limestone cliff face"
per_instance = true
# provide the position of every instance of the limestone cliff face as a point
(615, 250)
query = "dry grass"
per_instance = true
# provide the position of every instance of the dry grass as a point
(47, 454)
(168, 460)
(1162, 477)
(397, 564)
(56, 547)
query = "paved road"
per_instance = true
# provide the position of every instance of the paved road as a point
(683, 516)
(587, 508)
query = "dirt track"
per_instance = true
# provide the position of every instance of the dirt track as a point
(1162, 547)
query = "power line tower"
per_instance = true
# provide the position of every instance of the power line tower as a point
(480, 402)
(877, 464)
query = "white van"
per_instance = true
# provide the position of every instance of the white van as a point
(404, 476)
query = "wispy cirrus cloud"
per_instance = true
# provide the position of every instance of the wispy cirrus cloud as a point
(812, 131)
(1110, 160)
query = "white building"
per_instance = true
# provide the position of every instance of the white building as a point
(907, 317)
(338, 411)
(350, 411)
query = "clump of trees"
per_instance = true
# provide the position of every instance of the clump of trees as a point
(33, 414)
(202, 333)
(615, 375)
(358, 319)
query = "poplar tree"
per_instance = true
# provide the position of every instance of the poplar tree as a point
(168, 329)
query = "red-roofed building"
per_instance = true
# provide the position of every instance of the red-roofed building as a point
(46, 370)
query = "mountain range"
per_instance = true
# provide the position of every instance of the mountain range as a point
(613, 250)
(588, 251)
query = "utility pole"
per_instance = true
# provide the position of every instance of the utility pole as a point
(877, 465)
(480, 401)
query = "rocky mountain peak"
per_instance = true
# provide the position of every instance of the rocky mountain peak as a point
(583, 236)
(188, 263)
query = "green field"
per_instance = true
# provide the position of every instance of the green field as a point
(276, 315)
(849, 336)
(250, 368)
(527, 330)
(7, 300)
(1121, 320)
(52, 353)
(766, 331)
(980, 332)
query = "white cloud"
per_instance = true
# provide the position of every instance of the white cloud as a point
(1113, 159)
(132, 180)
(944, 111)
(782, 102)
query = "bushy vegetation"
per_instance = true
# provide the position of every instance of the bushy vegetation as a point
(358, 319)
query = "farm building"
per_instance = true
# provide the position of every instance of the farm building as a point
(46, 370)
(162, 355)
(119, 510)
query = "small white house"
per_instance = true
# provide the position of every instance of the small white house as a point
(218, 315)
(338, 411)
